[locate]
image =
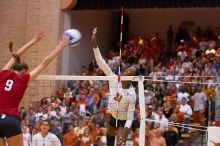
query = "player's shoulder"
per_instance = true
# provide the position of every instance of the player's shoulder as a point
(53, 136)
(5, 72)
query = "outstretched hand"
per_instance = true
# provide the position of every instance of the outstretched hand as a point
(39, 34)
(63, 42)
(93, 39)
(94, 32)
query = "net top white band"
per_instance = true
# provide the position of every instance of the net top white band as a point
(106, 78)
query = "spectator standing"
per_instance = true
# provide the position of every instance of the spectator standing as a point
(199, 106)
(187, 110)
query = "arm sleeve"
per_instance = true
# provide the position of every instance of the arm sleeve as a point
(130, 112)
(101, 62)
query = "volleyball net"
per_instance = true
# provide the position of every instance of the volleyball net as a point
(58, 86)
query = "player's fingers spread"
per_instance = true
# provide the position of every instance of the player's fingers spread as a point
(65, 39)
(44, 29)
(41, 30)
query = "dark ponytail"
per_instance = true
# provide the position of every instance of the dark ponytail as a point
(18, 66)
(15, 55)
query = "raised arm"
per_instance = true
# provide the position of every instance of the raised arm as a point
(38, 36)
(100, 61)
(34, 73)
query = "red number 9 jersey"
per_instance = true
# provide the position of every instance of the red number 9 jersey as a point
(12, 88)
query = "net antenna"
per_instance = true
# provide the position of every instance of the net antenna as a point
(119, 64)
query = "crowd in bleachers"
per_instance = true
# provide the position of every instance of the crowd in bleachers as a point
(179, 88)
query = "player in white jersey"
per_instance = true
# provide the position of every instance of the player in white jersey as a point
(121, 93)
(45, 138)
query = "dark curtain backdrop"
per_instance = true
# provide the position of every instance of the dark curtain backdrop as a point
(141, 4)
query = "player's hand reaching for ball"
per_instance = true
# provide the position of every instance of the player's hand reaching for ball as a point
(63, 42)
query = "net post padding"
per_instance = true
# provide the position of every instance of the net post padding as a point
(142, 111)
(217, 103)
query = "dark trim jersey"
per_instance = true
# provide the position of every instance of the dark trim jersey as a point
(12, 88)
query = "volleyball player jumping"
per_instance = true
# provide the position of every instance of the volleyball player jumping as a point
(14, 80)
(121, 93)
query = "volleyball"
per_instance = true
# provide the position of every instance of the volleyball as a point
(74, 36)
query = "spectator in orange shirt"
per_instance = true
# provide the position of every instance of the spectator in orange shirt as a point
(172, 101)
(135, 137)
(86, 139)
(217, 54)
(95, 130)
(70, 139)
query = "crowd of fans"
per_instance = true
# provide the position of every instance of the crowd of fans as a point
(178, 89)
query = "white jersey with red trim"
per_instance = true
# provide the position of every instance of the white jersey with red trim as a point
(126, 105)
